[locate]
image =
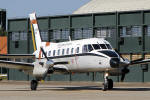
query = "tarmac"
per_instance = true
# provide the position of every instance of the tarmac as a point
(20, 90)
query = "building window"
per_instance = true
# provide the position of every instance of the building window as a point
(77, 34)
(131, 31)
(44, 35)
(87, 33)
(65, 34)
(56, 34)
(23, 35)
(147, 30)
(15, 36)
(82, 33)
(105, 32)
(16, 44)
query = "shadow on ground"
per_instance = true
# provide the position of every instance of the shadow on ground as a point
(78, 88)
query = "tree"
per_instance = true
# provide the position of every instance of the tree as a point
(3, 32)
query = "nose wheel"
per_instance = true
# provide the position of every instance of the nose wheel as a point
(108, 83)
(34, 84)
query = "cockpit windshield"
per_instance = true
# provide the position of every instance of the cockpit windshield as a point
(90, 47)
(103, 46)
(108, 46)
(96, 46)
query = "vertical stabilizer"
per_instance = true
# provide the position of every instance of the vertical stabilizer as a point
(35, 32)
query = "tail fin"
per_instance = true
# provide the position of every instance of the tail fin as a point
(35, 32)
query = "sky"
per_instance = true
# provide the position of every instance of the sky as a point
(21, 8)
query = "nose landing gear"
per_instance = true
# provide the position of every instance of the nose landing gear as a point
(34, 84)
(108, 83)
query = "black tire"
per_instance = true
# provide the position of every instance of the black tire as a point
(110, 84)
(34, 84)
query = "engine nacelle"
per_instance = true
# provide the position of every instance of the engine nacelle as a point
(41, 68)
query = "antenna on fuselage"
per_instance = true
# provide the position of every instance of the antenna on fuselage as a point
(69, 38)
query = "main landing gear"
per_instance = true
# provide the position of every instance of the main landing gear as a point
(34, 84)
(108, 83)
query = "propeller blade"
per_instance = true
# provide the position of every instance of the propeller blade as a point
(124, 72)
(123, 77)
(44, 53)
(133, 61)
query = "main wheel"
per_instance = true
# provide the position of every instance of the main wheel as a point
(34, 84)
(110, 84)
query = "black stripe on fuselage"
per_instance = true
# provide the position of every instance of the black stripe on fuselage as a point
(75, 55)
(55, 63)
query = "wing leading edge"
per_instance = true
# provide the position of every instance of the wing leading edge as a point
(16, 65)
(15, 56)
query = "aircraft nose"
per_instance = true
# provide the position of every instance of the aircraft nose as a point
(114, 62)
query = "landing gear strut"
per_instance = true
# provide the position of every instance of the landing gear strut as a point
(34, 84)
(108, 83)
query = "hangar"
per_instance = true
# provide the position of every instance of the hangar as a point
(125, 26)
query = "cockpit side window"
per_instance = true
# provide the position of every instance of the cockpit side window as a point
(103, 46)
(96, 46)
(85, 49)
(108, 46)
(90, 48)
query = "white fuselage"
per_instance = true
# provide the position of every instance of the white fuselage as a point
(87, 55)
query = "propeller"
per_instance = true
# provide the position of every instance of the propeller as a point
(125, 70)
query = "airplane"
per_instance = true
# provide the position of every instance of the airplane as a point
(77, 56)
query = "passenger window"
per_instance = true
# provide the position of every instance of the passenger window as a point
(63, 51)
(103, 46)
(67, 52)
(58, 52)
(90, 48)
(49, 53)
(85, 49)
(96, 46)
(77, 50)
(72, 50)
(54, 53)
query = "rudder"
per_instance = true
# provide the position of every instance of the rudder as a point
(35, 32)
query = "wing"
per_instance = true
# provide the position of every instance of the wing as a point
(16, 65)
(14, 56)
